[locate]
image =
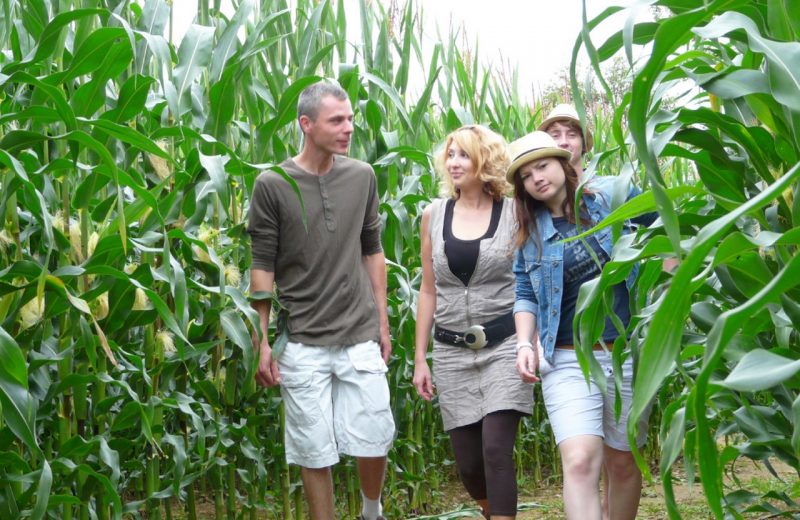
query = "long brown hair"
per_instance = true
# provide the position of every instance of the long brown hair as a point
(526, 207)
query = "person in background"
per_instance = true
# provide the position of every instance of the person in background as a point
(466, 297)
(549, 274)
(564, 126)
(331, 273)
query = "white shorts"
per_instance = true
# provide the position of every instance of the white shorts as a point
(336, 401)
(575, 408)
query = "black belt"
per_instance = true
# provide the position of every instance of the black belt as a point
(478, 336)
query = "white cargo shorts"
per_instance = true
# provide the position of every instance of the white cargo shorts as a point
(336, 400)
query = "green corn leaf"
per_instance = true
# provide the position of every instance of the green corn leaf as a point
(783, 58)
(235, 329)
(215, 166)
(658, 355)
(128, 135)
(760, 369)
(19, 409)
(92, 52)
(223, 103)
(54, 94)
(34, 17)
(37, 113)
(636, 206)
(796, 422)
(393, 96)
(177, 285)
(194, 55)
(91, 96)
(741, 82)
(162, 57)
(43, 492)
(401, 78)
(51, 34)
(155, 17)
(12, 363)
(366, 33)
(307, 44)
(40, 209)
(132, 97)
(226, 45)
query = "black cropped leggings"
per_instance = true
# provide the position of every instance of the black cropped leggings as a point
(484, 454)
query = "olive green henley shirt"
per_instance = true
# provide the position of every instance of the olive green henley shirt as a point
(319, 272)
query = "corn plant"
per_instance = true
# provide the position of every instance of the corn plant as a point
(127, 163)
(716, 341)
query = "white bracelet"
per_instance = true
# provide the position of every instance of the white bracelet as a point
(523, 344)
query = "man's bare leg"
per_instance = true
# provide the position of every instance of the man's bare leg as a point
(319, 492)
(371, 471)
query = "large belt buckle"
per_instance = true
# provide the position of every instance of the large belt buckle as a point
(475, 337)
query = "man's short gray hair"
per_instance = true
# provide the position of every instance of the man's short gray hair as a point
(311, 97)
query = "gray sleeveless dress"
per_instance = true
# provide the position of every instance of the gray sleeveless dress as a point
(473, 383)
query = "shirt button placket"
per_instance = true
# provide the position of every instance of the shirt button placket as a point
(330, 223)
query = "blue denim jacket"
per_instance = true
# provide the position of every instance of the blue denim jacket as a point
(540, 278)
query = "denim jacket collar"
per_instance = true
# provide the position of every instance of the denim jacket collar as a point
(544, 220)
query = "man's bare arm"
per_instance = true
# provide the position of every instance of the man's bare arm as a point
(260, 282)
(376, 270)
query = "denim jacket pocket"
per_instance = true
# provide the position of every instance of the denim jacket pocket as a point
(534, 270)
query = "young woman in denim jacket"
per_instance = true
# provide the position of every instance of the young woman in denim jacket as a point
(549, 274)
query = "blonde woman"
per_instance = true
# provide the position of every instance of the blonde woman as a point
(467, 298)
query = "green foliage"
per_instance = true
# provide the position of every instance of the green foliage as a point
(126, 372)
(723, 326)
(127, 165)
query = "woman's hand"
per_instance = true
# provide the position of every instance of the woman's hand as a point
(528, 364)
(422, 380)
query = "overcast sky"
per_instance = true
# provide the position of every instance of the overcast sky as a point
(536, 35)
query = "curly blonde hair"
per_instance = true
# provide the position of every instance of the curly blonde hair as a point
(489, 155)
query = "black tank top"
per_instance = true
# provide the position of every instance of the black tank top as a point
(462, 255)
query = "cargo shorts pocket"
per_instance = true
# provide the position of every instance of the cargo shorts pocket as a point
(367, 362)
(300, 398)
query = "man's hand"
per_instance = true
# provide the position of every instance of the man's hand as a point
(261, 284)
(528, 364)
(267, 374)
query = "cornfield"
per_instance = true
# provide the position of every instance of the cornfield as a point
(127, 161)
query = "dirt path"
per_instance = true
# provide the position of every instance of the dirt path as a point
(544, 503)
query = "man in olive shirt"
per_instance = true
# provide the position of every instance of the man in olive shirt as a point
(332, 280)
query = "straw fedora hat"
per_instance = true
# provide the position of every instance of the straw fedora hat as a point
(533, 146)
(565, 112)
